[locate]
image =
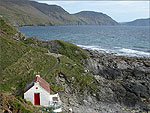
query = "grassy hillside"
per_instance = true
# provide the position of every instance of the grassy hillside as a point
(139, 22)
(19, 62)
(57, 14)
(32, 13)
(6, 29)
(24, 12)
(70, 50)
(95, 18)
(11, 104)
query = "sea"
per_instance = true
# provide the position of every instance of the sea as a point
(119, 40)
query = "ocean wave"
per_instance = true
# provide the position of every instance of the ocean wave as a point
(134, 52)
(97, 48)
(118, 51)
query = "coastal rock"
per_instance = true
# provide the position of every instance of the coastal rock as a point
(129, 78)
(94, 66)
(122, 65)
(137, 88)
(123, 83)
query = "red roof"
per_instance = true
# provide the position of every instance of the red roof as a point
(41, 81)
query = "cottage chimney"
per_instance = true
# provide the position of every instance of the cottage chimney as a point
(37, 75)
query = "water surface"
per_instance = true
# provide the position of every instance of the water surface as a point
(121, 40)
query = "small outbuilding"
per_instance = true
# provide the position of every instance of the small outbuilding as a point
(37, 91)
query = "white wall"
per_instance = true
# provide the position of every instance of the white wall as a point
(44, 95)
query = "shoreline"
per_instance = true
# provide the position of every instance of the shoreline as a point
(125, 51)
(76, 37)
(64, 25)
(77, 25)
(127, 77)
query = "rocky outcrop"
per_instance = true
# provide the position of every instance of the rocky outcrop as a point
(129, 78)
(122, 82)
(119, 67)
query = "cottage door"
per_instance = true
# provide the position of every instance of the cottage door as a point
(36, 98)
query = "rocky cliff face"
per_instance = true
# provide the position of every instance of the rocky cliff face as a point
(129, 78)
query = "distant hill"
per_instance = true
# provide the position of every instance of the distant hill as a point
(56, 14)
(95, 18)
(138, 22)
(21, 12)
(24, 12)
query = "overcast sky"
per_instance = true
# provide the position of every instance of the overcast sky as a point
(121, 11)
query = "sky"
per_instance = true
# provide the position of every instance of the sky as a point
(121, 11)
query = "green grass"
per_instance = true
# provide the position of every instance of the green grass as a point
(20, 61)
(70, 50)
(11, 51)
(28, 14)
(16, 105)
(18, 15)
(19, 107)
(6, 28)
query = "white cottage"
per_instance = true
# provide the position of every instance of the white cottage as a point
(37, 91)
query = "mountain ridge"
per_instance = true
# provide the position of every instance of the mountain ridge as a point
(21, 13)
(97, 18)
(138, 22)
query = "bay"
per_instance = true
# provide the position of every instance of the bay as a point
(120, 40)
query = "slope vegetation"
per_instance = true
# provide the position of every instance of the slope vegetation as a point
(95, 18)
(139, 22)
(20, 12)
(24, 12)
(86, 80)
(20, 61)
